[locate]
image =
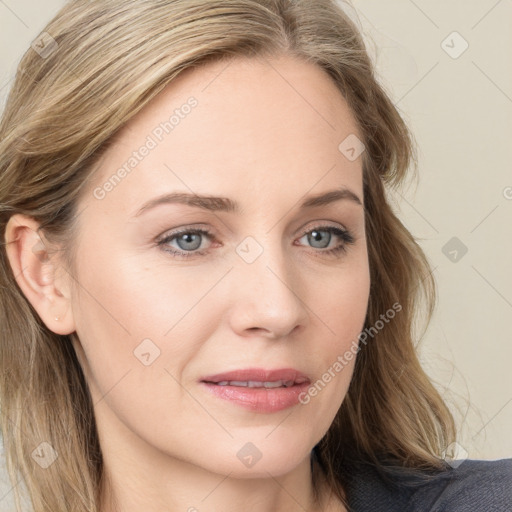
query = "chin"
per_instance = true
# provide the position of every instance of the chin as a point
(257, 455)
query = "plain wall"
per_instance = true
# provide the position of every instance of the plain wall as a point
(459, 108)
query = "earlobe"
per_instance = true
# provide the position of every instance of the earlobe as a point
(35, 271)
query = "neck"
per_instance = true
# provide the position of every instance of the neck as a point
(218, 493)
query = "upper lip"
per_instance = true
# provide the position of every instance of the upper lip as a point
(259, 375)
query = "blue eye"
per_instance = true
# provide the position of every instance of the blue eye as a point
(315, 236)
(189, 241)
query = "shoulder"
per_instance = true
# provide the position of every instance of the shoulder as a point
(475, 485)
(471, 486)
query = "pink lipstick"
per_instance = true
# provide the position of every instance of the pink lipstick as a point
(257, 389)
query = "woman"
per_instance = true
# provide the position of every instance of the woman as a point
(176, 332)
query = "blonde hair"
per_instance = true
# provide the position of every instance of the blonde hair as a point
(110, 58)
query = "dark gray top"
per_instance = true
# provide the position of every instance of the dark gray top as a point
(472, 486)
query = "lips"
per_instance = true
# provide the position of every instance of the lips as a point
(259, 390)
(258, 377)
(256, 384)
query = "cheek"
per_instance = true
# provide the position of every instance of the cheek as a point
(340, 302)
(136, 337)
(131, 316)
(341, 312)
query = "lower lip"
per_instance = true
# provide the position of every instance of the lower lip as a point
(264, 400)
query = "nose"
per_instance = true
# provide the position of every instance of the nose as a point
(268, 298)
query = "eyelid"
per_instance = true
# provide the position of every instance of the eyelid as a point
(322, 224)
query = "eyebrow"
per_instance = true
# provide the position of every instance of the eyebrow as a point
(224, 204)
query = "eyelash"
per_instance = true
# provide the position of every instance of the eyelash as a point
(340, 250)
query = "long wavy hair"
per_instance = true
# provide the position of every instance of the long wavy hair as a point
(108, 60)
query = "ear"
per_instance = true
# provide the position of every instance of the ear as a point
(36, 271)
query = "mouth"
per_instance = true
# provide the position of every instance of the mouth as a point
(257, 389)
(258, 378)
(256, 384)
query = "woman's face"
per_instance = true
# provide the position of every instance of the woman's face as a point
(170, 294)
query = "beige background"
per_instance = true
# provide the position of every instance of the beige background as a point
(460, 110)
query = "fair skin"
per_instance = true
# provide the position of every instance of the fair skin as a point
(267, 137)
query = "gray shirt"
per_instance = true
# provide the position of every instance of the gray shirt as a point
(472, 486)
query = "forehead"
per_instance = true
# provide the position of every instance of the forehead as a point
(266, 125)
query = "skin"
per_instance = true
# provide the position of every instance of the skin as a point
(265, 133)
